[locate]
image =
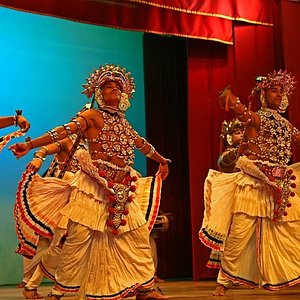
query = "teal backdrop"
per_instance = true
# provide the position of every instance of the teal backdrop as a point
(43, 63)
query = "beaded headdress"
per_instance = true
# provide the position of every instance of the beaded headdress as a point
(228, 128)
(282, 78)
(107, 73)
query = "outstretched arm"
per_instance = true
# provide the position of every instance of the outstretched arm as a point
(40, 155)
(147, 149)
(81, 123)
(17, 120)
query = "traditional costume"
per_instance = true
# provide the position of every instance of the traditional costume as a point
(253, 215)
(110, 209)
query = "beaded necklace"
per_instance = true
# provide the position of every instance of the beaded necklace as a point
(116, 137)
(274, 138)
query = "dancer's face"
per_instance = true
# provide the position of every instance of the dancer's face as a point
(111, 93)
(274, 96)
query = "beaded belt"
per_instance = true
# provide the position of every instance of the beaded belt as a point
(113, 173)
(283, 177)
(121, 182)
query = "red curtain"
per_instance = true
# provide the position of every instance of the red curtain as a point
(291, 51)
(256, 11)
(212, 67)
(209, 20)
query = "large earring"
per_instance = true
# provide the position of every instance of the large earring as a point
(99, 97)
(263, 99)
(124, 103)
(229, 139)
(283, 104)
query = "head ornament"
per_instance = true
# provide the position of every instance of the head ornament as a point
(228, 128)
(107, 73)
(282, 78)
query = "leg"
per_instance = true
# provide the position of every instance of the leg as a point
(29, 265)
(240, 249)
(73, 260)
(51, 258)
(220, 290)
(31, 294)
(154, 255)
(222, 285)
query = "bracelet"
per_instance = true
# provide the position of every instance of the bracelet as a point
(67, 128)
(59, 145)
(41, 151)
(86, 122)
(167, 161)
(143, 146)
(38, 156)
(238, 102)
(151, 151)
(53, 134)
(78, 124)
(222, 163)
(15, 120)
(47, 150)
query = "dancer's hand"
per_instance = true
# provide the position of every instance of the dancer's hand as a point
(20, 149)
(224, 97)
(23, 123)
(163, 170)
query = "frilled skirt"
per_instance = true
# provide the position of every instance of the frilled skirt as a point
(110, 265)
(239, 222)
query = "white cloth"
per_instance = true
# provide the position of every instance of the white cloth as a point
(111, 266)
(238, 220)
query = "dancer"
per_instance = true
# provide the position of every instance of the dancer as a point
(230, 148)
(230, 138)
(253, 215)
(107, 244)
(30, 264)
(46, 264)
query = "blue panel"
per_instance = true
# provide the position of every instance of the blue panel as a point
(44, 62)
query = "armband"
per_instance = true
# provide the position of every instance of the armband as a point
(151, 151)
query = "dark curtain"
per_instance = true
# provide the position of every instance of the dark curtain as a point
(165, 63)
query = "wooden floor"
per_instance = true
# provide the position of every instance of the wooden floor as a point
(183, 290)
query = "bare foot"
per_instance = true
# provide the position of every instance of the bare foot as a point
(220, 290)
(155, 294)
(54, 297)
(32, 294)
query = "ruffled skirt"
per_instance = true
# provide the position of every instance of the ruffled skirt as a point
(239, 221)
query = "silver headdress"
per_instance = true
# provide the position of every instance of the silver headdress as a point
(107, 73)
(282, 78)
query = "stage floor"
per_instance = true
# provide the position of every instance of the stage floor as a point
(201, 290)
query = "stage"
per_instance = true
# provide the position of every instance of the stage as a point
(182, 290)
